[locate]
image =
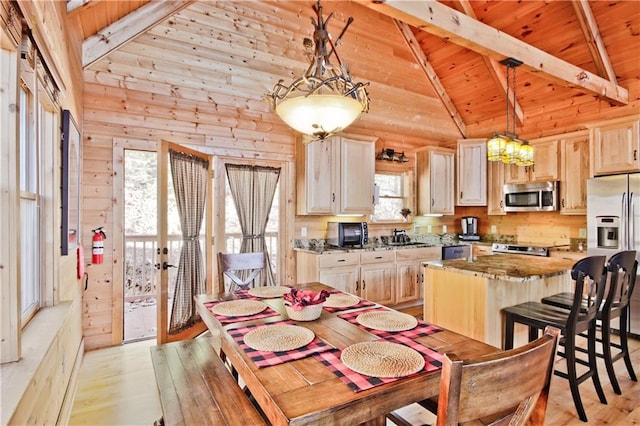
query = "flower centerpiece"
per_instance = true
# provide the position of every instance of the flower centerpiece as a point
(304, 305)
(405, 212)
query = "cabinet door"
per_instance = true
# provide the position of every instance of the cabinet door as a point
(495, 197)
(319, 173)
(516, 174)
(357, 174)
(442, 182)
(408, 281)
(545, 167)
(574, 158)
(377, 282)
(614, 148)
(343, 278)
(472, 173)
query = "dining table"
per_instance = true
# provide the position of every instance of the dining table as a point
(312, 385)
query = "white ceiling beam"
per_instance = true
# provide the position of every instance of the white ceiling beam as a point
(594, 40)
(127, 28)
(431, 75)
(445, 22)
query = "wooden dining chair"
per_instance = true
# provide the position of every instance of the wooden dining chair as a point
(622, 269)
(590, 281)
(508, 387)
(243, 270)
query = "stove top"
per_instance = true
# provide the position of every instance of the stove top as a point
(520, 249)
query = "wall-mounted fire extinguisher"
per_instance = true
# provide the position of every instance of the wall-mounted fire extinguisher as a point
(97, 248)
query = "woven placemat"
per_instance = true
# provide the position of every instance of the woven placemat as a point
(269, 291)
(382, 359)
(239, 308)
(341, 300)
(387, 320)
(278, 338)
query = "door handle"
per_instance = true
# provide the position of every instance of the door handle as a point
(166, 265)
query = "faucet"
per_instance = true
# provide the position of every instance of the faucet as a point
(400, 236)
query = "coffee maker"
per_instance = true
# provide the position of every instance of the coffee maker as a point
(470, 229)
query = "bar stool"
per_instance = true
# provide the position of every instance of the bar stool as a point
(590, 281)
(622, 267)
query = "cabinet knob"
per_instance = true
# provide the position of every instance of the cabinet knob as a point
(333, 197)
(562, 203)
(635, 154)
(433, 202)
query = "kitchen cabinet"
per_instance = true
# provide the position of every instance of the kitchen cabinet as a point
(341, 271)
(495, 195)
(435, 178)
(327, 172)
(377, 276)
(409, 277)
(472, 172)
(615, 148)
(481, 250)
(574, 172)
(545, 167)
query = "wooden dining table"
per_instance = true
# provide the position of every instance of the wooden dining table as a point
(305, 391)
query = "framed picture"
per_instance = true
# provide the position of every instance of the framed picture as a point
(70, 183)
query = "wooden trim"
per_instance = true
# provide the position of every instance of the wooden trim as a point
(117, 272)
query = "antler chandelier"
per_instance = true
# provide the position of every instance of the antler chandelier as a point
(508, 147)
(324, 101)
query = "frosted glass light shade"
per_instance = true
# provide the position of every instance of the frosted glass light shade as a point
(495, 148)
(525, 155)
(510, 152)
(319, 115)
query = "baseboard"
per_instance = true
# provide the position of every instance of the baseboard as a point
(70, 395)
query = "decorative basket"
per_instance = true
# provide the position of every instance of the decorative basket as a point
(308, 313)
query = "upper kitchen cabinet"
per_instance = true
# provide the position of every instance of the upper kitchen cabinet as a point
(545, 167)
(574, 170)
(472, 173)
(495, 196)
(435, 170)
(614, 148)
(335, 176)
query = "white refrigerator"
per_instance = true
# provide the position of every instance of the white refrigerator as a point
(613, 224)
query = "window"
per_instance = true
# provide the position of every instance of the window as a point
(393, 195)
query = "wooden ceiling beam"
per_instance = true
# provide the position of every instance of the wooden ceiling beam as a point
(594, 40)
(431, 75)
(447, 23)
(127, 28)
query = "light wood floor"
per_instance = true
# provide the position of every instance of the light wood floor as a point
(117, 387)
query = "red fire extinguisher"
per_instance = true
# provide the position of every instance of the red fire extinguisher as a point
(97, 248)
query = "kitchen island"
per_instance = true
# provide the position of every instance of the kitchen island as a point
(467, 295)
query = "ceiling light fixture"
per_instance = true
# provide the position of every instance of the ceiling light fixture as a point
(508, 147)
(324, 101)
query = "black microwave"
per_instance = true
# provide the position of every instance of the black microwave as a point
(343, 234)
(531, 197)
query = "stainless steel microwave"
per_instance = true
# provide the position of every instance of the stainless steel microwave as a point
(531, 197)
(347, 233)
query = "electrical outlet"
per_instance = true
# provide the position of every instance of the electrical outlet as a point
(494, 229)
(444, 229)
(583, 232)
(303, 231)
(429, 229)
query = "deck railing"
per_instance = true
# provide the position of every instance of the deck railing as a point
(140, 274)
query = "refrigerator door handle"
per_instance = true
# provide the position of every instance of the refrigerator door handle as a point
(632, 222)
(623, 238)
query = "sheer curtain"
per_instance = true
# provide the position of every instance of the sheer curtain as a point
(190, 176)
(252, 189)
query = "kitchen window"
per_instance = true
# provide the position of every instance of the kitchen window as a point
(393, 194)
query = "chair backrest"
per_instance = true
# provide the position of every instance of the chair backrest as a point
(244, 270)
(623, 268)
(512, 385)
(591, 280)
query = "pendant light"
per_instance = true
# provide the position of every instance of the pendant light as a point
(324, 101)
(508, 147)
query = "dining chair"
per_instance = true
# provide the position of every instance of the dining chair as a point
(243, 270)
(474, 389)
(622, 268)
(590, 281)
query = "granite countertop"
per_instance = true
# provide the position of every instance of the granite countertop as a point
(508, 267)
(328, 249)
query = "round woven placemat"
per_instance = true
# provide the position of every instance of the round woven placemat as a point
(239, 308)
(278, 338)
(269, 291)
(339, 300)
(387, 320)
(382, 359)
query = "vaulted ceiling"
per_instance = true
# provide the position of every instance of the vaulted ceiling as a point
(433, 66)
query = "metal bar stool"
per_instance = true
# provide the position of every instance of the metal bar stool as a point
(590, 281)
(622, 267)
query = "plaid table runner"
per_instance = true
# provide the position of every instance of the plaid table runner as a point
(421, 330)
(226, 319)
(359, 382)
(244, 294)
(265, 358)
(362, 304)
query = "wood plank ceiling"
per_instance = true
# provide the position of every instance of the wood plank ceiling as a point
(426, 84)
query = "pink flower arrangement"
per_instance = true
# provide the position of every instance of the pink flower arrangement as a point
(298, 299)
